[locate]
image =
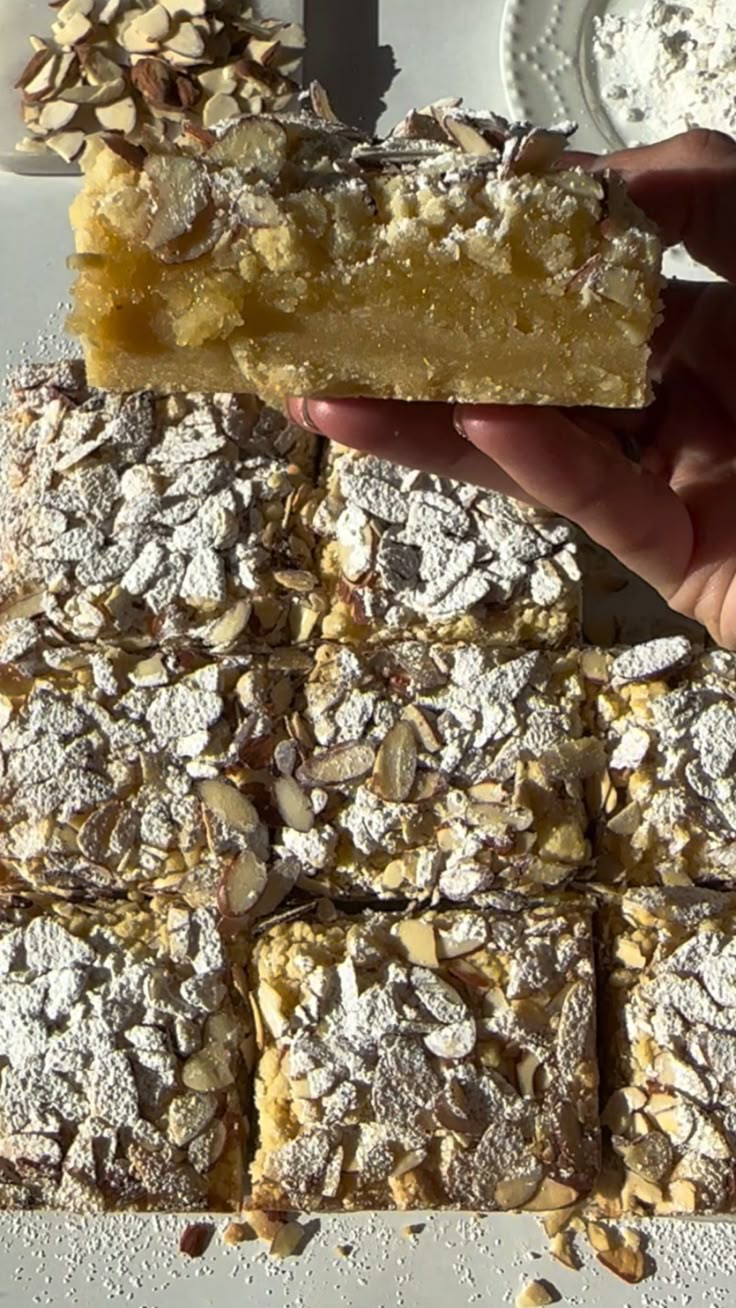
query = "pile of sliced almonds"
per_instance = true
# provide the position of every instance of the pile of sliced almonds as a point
(143, 69)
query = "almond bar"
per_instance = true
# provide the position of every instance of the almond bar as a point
(124, 773)
(428, 770)
(668, 1029)
(666, 810)
(124, 1054)
(440, 1061)
(407, 553)
(290, 255)
(143, 522)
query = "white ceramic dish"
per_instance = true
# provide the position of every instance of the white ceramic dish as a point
(550, 73)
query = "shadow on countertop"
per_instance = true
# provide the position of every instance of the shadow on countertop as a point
(344, 54)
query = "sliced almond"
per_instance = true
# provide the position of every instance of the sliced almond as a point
(185, 40)
(339, 764)
(552, 1194)
(185, 8)
(683, 1196)
(453, 1041)
(36, 64)
(535, 1294)
(68, 145)
(287, 1240)
(560, 1247)
(320, 102)
(216, 80)
(628, 1264)
(467, 137)
(419, 941)
(252, 143)
(70, 32)
(242, 885)
(147, 31)
(620, 1107)
(517, 1192)
(117, 117)
(269, 1003)
(293, 804)
(396, 762)
(107, 93)
(55, 115)
(218, 108)
(181, 192)
(238, 1233)
(43, 82)
(626, 821)
(228, 803)
(231, 625)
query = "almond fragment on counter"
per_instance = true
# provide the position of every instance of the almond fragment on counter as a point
(287, 1240)
(194, 1239)
(536, 1294)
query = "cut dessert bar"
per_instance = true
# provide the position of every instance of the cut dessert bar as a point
(445, 1061)
(122, 772)
(667, 807)
(152, 522)
(125, 1047)
(668, 1018)
(290, 254)
(409, 553)
(420, 770)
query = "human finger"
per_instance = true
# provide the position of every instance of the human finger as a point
(687, 186)
(414, 435)
(620, 504)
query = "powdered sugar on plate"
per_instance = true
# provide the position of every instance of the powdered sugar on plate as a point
(666, 67)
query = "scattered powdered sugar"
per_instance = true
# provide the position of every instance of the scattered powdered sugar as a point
(666, 67)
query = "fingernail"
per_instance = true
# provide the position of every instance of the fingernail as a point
(457, 422)
(299, 413)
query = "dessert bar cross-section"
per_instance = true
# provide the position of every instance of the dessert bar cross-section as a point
(291, 255)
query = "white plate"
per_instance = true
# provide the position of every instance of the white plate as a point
(550, 73)
(21, 19)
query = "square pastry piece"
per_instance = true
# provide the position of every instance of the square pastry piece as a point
(666, 715)
(124, 1053)
(122, 772)
(445, 1061)
(668, 1017)
(421, 771)
(409, 553)
(293, 256)
(137, 521)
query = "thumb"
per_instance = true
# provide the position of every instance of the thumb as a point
(687, 185)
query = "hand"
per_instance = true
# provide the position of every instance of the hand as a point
(671, 516)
